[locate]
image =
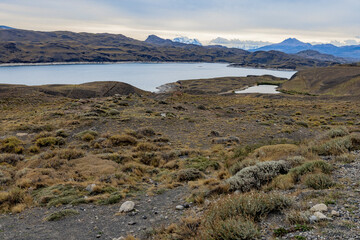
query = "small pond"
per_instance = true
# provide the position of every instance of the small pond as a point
(267, 89)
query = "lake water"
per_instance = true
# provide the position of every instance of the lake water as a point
(268, 89)
(146, 76)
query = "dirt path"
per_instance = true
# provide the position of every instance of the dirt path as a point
(95, 222)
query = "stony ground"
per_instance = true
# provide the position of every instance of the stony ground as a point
(344, 199)
(95, 222)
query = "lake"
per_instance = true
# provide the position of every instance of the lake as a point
(146, 76)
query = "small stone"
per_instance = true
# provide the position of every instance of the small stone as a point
(144, 217)
(319, 208)
(98, 236)
(335, 213)
(186, 205)
(90, 187)
(320, 216)
(131, 223)
(127, 206)
(179, 207)
(313, 219)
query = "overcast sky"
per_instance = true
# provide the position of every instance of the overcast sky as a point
(266, 20)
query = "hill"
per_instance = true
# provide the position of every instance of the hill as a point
(343, 80)
(292, 46)
(86, 90)
(23, 46)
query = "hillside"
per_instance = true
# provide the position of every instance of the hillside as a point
(23, 46)
(86, 90)
(337, 80)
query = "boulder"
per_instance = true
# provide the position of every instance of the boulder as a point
(127, 206)
(319, 208)
(320, 216)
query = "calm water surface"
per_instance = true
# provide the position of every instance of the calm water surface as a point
(146, 76)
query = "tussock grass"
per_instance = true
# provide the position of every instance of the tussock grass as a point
(122, 140)
(11, 145)
(318, 181)
(50, 141)
(56, 216)
(189, 174)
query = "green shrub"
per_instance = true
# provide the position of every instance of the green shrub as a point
(202, 163)
(345, 158)
(122, 140)
(189, 174)
(10, 158)
(253, 205)
(338, 146)
(87, 134)
(56, 216)
(70, 154)
(34, 149)
(255, 176)
(50, 141)
(61, 133)
(11, 145)
(231, 229)
(337, 132)
(311, 167)
(318, 181)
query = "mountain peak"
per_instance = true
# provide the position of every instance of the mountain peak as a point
(293, 41)
(187, 40)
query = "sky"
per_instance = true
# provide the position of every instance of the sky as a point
(334, 21)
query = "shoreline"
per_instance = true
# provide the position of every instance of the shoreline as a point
(95, 63)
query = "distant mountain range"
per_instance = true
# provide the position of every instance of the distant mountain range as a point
(24, 46)
(187, 40)
(236, 43)
(292, 45)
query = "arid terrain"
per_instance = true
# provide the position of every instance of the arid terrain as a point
(198, 161)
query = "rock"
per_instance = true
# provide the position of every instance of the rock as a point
(320, 216)
(179, 207)
(98, 236)
(22, 134)
(313, 219)
(319, 208)
(335, 213)
(90, 188)
(127, 206)
(131, 223)
(120, 238)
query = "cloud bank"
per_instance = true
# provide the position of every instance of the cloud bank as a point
(261, 20)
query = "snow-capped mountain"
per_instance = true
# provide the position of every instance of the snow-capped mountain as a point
(187, 40)
(5, 27)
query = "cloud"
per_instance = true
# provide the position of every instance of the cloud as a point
(258, 19)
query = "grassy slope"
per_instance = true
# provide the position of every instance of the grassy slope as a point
(336, 80)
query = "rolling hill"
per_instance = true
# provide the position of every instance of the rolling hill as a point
(342, 80)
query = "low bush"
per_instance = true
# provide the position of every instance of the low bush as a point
(189, 174)
(242, 164)
(234, 217)
(50, 141)
(202, 163)
(318, 181)
(345, 158)
(255, 176)
(11, 145)
(338, 146)
(70, 154)
(56, 216)
(10, 158)
(311, 167)
(337, 132)
(275, 152)
(122, 140)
